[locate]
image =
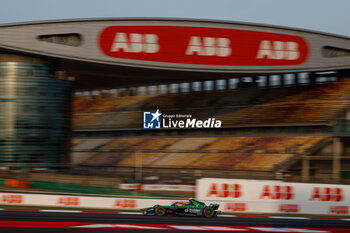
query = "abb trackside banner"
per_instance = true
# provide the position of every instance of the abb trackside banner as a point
(79, 201)
(202, 46)
(323, 201)
(275, 196)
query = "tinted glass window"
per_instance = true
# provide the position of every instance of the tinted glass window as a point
(72, 39)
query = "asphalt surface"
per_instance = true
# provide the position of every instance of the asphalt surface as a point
(105, 218)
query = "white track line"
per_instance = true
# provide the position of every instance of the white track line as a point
(62, 211)
(136, 213)
(283, 217)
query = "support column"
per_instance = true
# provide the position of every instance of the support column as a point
(215, 85)
(224, 85)
(305, 166)
(337, 151)
(137, 90)
(267, 81)
(297, 79)
(190, 87)
(168, 89)
(312, 78)
(227, 84)
(178, 87)
(147, 90)
(157, 91)
(294, 79)
(131, 91)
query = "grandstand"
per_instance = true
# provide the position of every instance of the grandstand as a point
(256, 107)
(264, 131)
(261, 154)
(282, 110)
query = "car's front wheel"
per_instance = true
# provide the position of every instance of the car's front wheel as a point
(159, 211)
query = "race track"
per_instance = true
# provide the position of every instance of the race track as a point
(71, 222)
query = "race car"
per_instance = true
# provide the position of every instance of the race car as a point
(190, 208)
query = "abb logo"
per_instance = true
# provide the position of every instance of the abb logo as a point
(277, 192)
(209, 46)
(339, 210)
(327, 194)
(237, 207)
(68, 201)
(201, 46)
(225, 190)
(278, 50)
(125, 203)
(12, 199)
(135, 43)
(289, 208)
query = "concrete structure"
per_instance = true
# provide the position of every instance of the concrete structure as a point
(131, 52)
(116, 53)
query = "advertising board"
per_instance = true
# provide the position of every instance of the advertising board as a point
(268, 196)
(202, 46)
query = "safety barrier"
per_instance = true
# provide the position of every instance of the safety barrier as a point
(234, 196)
(86, 202)
(78, 201)
(268, 196)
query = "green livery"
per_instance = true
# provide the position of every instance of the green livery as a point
(190, 208)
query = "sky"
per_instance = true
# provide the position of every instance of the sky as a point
(330, 16)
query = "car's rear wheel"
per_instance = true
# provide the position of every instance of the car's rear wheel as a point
(159, 211)
(208, 212)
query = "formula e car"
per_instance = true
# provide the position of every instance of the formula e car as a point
(190, 208)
